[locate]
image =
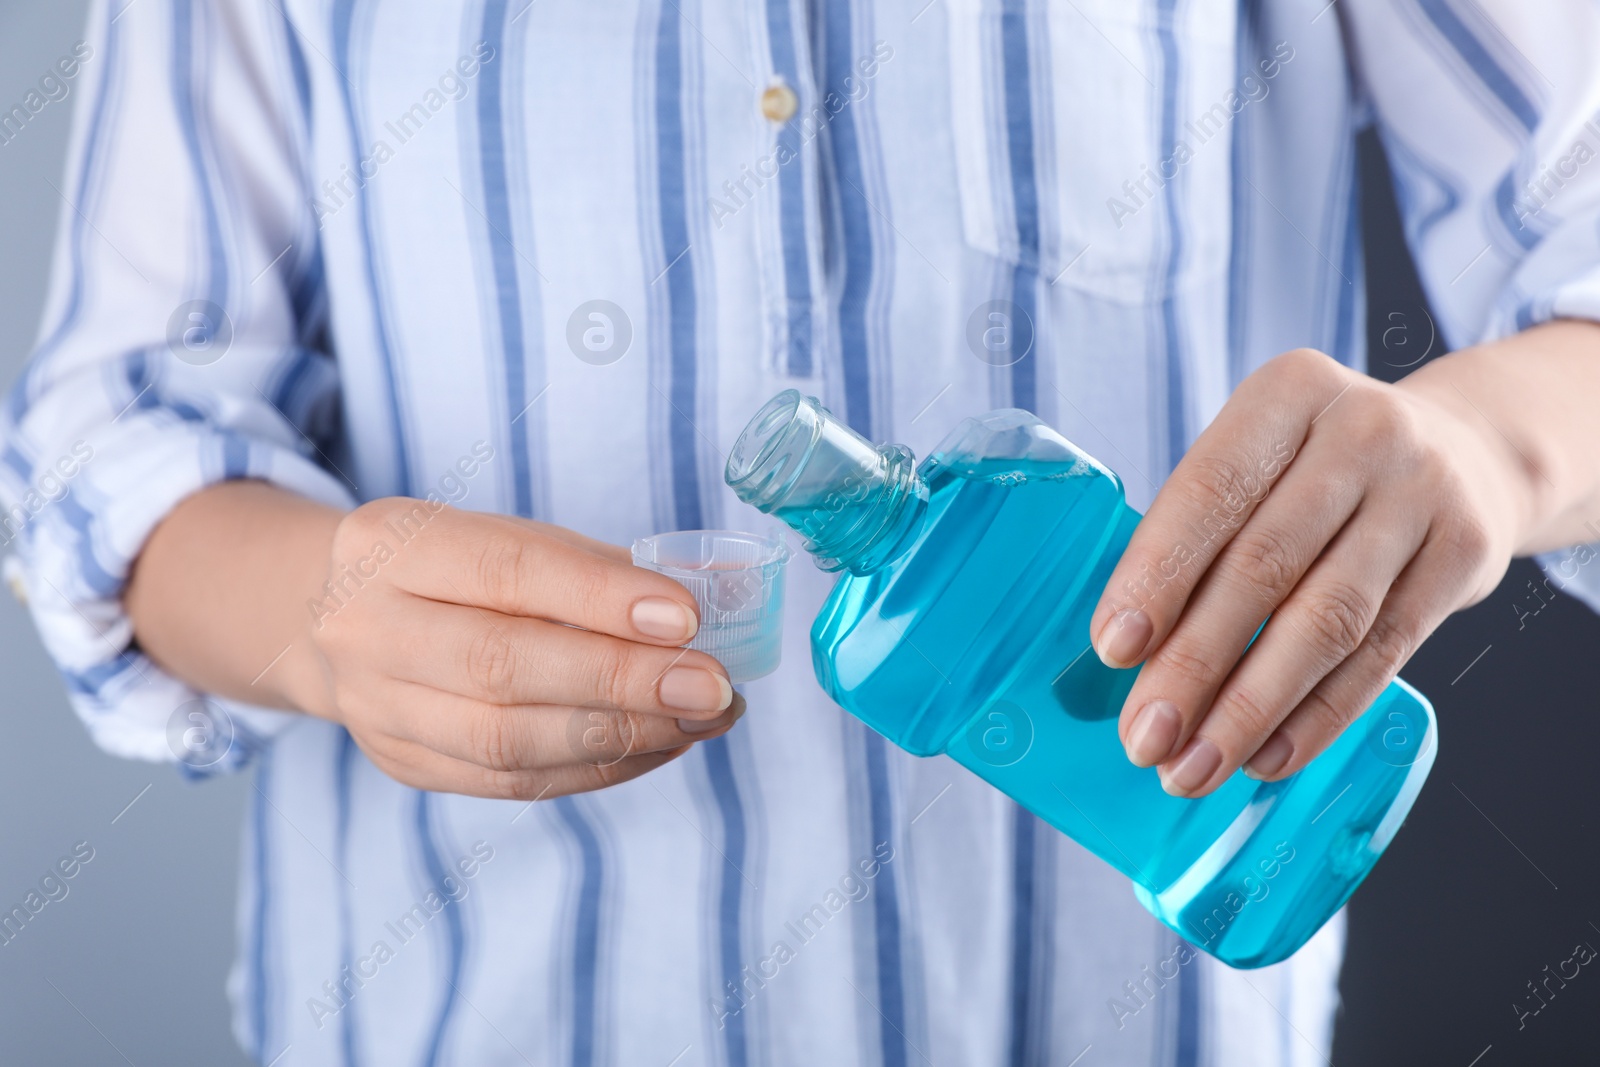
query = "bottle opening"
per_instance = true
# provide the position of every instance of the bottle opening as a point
(761, 437)
(776, 448)
(852, 501)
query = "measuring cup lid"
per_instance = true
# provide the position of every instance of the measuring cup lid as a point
(736, 579)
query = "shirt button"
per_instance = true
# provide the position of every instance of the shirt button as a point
(779, 103)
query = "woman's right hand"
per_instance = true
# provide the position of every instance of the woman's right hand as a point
(501, 657)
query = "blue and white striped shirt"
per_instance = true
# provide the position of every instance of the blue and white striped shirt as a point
(392, 221)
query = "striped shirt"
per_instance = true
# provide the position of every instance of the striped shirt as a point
(545, 258)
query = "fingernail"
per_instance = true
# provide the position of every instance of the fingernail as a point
(1123, 637)
(728, 718)
(656, 616)
(699, 726)
(1193, 769)
(695, 689)
(1154, 733)
(1270, 758)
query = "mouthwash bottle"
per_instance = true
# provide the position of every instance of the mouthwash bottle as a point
(961, 626)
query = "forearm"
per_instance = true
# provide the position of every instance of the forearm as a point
(1537, 396)
(219, 594)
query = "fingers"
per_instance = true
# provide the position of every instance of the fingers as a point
(1211, 495)
(1209, 498)
(518, 568)
(1251, 575)
(1412, 610)
(417, 766)
(1312, 633)
(541, 737)
(528, 660)
(505, 659)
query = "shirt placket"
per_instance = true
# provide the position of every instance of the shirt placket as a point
(782, 179)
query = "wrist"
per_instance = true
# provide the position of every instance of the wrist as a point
(303, 678)
(1501, 462)
(1534, 391)
(299, 678)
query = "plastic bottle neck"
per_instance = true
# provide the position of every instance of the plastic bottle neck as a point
(857, 505)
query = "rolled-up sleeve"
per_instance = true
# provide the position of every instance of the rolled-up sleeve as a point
(1489, 111)
(180, 345)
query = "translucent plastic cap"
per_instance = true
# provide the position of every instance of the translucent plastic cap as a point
(737, 583)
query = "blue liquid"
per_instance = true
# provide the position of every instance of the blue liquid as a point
(973, 641)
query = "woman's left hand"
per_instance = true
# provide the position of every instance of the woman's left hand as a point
(1355, 513)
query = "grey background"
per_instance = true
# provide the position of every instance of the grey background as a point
(1494, 878)
(130, 965)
